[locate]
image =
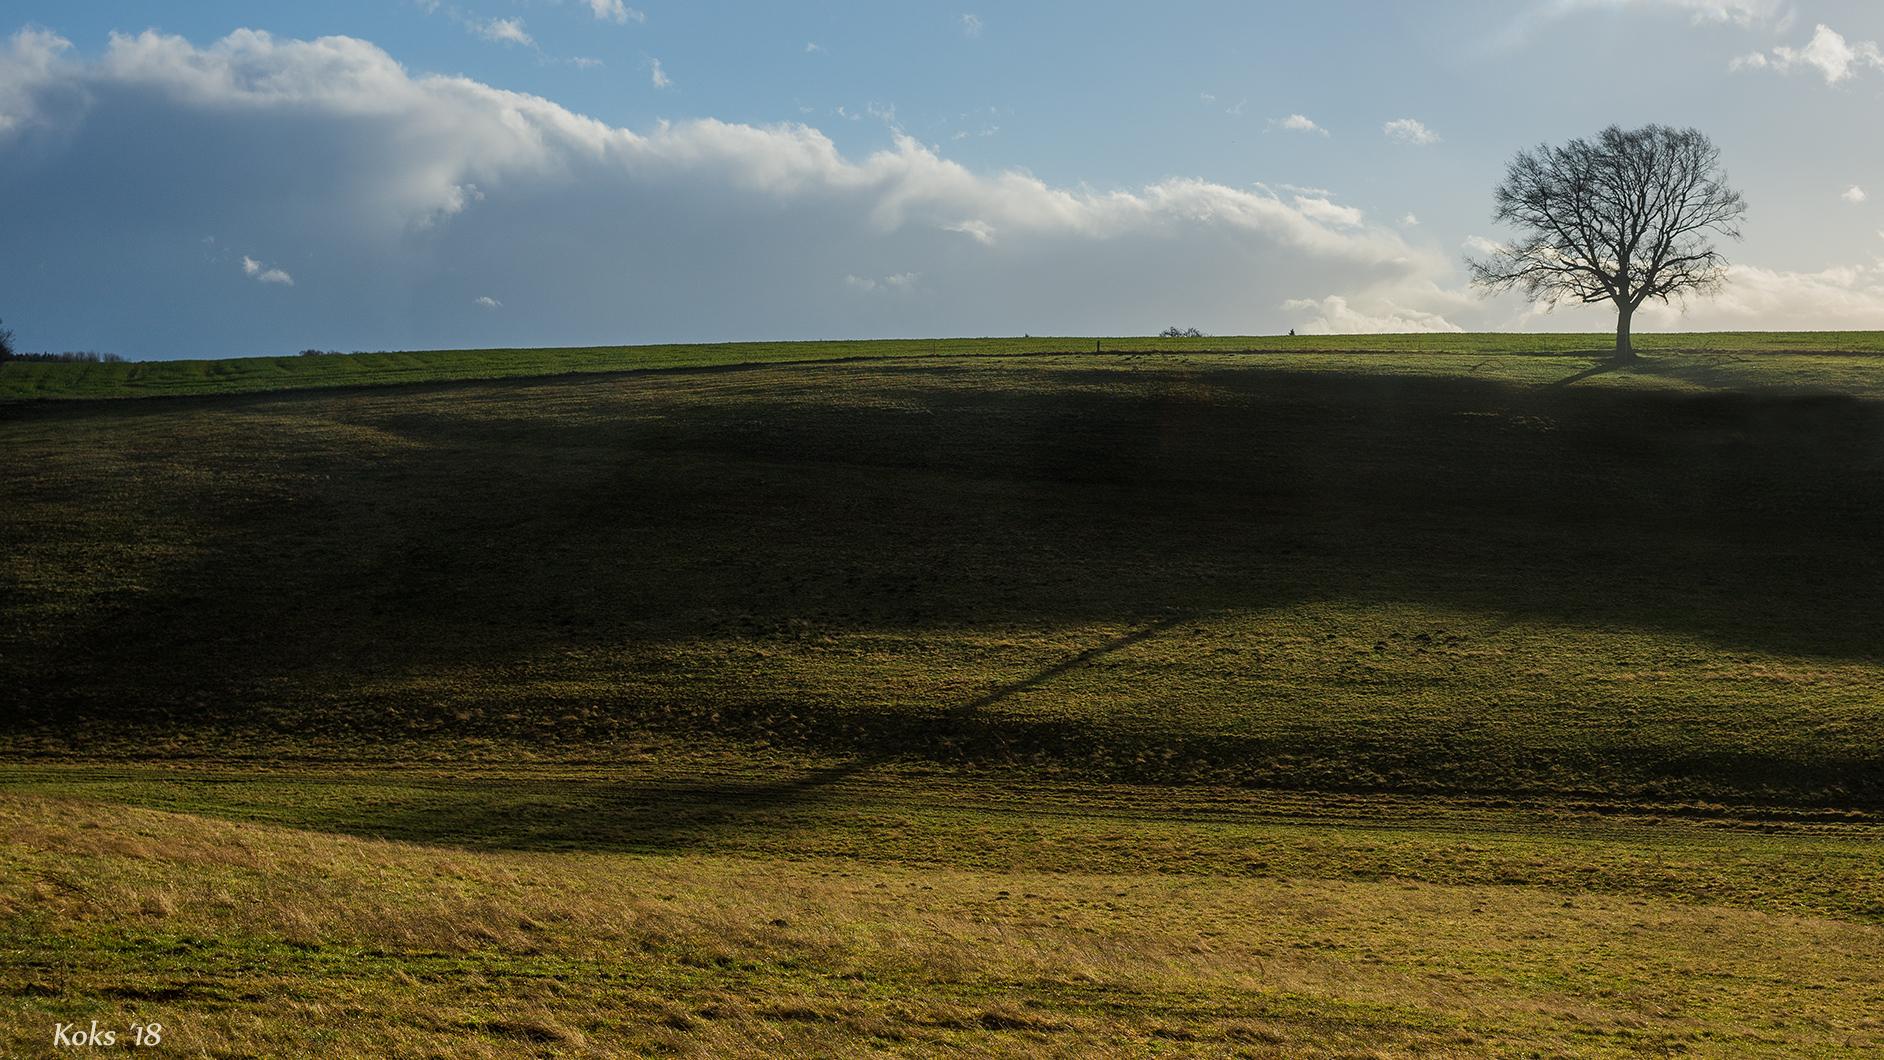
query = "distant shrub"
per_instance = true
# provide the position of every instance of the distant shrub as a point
(6, 345)
(320, 353)
(1180, 333)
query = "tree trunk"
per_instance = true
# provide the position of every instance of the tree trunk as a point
(1624, 351)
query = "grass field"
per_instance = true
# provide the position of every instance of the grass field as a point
(24, 379)
(1408, 700)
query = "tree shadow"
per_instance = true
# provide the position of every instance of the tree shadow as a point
(1602, 368)
(413, 561)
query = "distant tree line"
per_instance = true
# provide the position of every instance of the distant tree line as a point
(8, 353)
(68, 357)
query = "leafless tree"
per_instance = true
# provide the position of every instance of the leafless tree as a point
(1624, 218)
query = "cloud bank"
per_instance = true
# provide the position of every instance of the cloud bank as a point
(1828, 52)
(407, 206)
(257, 195)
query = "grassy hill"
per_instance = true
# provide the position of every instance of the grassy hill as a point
(1415, 572)
(24, 379)
(1303, 701)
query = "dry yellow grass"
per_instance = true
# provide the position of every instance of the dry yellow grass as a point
(247, 940)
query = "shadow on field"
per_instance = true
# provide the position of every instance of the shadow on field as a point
(974, 706)
(578, 560)
(1604, 367)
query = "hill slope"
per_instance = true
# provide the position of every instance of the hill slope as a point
(1479, 573)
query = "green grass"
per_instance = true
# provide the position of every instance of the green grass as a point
(698, 913)
(22, 379)
(1313, 702)
(1286, 572)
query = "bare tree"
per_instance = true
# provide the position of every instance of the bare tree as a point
(1623, 219)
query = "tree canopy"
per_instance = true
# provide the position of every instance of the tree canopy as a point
(1623, 218)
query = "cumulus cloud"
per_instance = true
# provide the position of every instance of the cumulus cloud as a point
(32, 60)
(1853, 194)
(972, 25)
(503, 30)
(1827, 52)
(659, 76)
(487, 302)
(902, 283)
(615, 11)
(407, 196)
(1740, 12)
(1334, 316)
(981, 231)
(1841, 297)
(263, 273)
(1296, 123)
(1408, 131)
(1327, 212)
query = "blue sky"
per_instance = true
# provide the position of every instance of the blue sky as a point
(219, 179)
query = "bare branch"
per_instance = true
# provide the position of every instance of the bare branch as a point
(1623, 219)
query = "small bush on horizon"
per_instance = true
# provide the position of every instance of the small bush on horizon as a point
(1180, 333)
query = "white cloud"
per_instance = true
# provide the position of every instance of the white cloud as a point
(1409, 219)
(1408, 131)
(1327, 212)
(33, 58)
(504, 30)
(1483, 245)
(972, 25)
(1744, 13)
(982, 231)
(659, 76)
(412, 192)
(1236, 111)
(1842, 297)
(1828, 52)
(487, 302)
(1334, 316)
(615, 11)
(1853, 194)
(1206, 97)
(263, 274)
(1296, 123)
(901, 283)
(810, 47)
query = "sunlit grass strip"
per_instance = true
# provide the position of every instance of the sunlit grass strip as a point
(21, 379)
(245, 939)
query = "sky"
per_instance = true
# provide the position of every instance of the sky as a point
(212, 178)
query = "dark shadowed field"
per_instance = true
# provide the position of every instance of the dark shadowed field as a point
(1521, 626)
